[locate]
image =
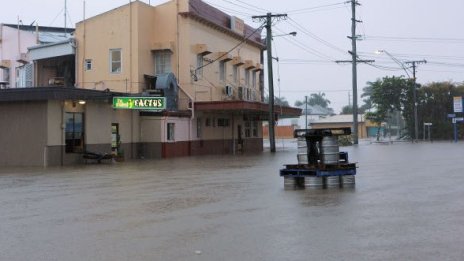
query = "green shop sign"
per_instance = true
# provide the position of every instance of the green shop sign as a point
(140, 103)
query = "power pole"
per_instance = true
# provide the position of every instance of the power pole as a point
(414, 95)
(268, 17)
(354, 61)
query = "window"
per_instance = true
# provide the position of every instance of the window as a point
(223, 122)
(199, 65)
(247, 129)
(163, 62)
(253, 83)
(88, 64)
(74, 132)
(222, 71)
(115, 61)
(235, 73)
(208, 122)
(247, 77)
(255, 129)
(214, 122)
(199, 128)
(170, 131)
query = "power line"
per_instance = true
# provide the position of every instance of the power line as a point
(194, 73)
(314, 36)
(314, 8)
(413, 39)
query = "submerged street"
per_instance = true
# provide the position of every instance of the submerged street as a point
(407, 205)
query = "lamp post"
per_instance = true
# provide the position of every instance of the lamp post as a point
(269, 38)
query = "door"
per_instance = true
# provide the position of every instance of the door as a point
(115, 138)
(239, 138)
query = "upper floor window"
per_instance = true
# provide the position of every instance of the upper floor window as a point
(163, 62)
(200, 63)
(247, 77)
(88, 64)
(253, 80)
(115, 61)
(222, 71)
(235, 74)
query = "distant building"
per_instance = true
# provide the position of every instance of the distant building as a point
(286, 126)
(16, 69)
(345, 120)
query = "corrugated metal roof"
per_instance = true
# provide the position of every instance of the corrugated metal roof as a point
(342, 118)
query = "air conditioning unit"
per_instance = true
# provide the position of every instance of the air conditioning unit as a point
(22, 58)
(228, 90)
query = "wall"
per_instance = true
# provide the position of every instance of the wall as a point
(209, 87)
(9, 48)
(95, 37)
(23, 133)
(98, 126)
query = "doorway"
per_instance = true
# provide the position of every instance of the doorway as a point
(115, 138)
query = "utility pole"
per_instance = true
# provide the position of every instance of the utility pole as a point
(268, 17)
(65, 10)
(414, 95)
(354, 61)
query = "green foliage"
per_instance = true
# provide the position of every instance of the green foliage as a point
(434, 103)
(277, 101)
(348, 109)
(315, 99)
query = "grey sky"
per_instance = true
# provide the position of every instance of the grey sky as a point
(408, 29)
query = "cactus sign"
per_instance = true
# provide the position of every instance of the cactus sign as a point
(140, 103)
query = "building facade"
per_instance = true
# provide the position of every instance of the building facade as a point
(203, 63)
(16, 69)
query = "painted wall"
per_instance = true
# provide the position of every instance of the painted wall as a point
(23, 140)
(11, 45)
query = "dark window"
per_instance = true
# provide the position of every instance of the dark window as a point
(222, 122)
(74, 132)
(170, 131)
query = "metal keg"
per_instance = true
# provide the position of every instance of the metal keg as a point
(332, 181)
(290, 182)
(313, 182)
(347, 181)
(302, 155)
(330, 150)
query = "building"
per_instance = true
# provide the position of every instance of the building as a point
(194, 72)
(16, 71)
(286, 126)
(365, 127)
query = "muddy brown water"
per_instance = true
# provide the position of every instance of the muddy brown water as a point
(407, 205)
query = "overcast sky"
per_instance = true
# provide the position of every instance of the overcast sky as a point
(407, 29)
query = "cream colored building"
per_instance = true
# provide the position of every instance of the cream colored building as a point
(205, 63)
(215, 59)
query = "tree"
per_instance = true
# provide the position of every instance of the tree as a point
(282, 101)
(315, 99)
(348, 109)
(390, 94)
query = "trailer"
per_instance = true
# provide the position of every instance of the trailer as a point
(320, 163)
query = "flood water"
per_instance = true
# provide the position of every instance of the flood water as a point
(408, 204)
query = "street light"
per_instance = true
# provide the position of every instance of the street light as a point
(291, 33)
(269, 38)
(400, 63)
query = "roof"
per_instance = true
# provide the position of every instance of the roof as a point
(342, 118)
(315, 110)
(259, 108)
(215, 17)
(32, 28)
(53, 93)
